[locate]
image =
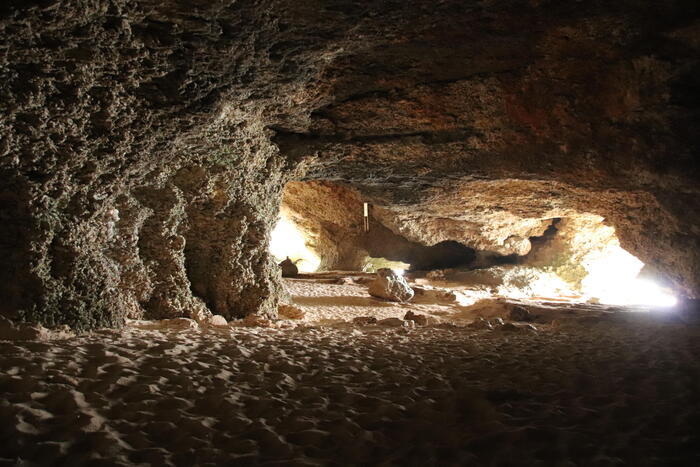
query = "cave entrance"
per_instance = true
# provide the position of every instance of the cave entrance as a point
(576, 259)
(288, 240)
(323, 226)
(573, 258)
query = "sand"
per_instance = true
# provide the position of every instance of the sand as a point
(589, 387)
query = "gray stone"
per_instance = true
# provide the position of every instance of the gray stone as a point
(390, 286)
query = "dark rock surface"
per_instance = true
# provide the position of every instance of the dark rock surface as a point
(144, 144)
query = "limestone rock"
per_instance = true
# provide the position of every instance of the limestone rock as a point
(289, 269)
(510, 327)
(390, 286)
(217, 320)
(144, 145)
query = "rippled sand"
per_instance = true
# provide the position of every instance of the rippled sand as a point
(605, 389)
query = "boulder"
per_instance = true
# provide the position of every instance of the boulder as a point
(289, 269)
(390, 286)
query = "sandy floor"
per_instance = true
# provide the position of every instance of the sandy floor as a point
(592, 389)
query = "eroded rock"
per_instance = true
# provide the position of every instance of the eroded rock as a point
(289, 268)
(390, 286)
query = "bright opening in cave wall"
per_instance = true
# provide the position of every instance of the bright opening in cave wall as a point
(577, 259)
(583, 261)
(613, 279)
(289, 241)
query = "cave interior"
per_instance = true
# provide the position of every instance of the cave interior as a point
(489, 206)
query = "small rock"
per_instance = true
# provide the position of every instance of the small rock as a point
(290, 311)
(289, 269)
(346, 281)
(390, 286)
(420, 320)
(498, 322)
(200, 314)
(364, 320)
(393, 322)
(518, 313)
(218, 320)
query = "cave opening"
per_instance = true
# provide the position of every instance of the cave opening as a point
(575, 259)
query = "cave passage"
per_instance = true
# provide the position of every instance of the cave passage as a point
(487, 214)
(577, 258)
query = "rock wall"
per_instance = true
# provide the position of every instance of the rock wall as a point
(138, 178)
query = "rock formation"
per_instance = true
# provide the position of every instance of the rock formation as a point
(144, 145)
(390, 286)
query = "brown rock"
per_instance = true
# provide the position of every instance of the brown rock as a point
(142, 152)
(255, 321)
(420, 320)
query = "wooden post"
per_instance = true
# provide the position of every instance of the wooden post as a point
(366, 217)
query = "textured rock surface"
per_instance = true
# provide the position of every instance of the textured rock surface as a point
(144, 144)
(469, 126)
(390, 286)
(137, 173)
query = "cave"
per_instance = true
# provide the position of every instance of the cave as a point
(491, 209)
